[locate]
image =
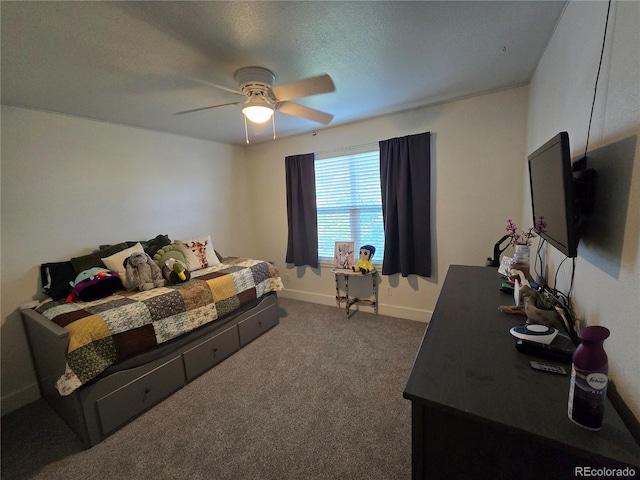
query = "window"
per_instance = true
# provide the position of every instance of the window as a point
(349, 203)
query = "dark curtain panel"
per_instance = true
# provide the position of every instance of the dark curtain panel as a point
(302, 216)
(405, 179)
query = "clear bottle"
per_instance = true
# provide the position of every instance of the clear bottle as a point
(521, 259)
(588, 389)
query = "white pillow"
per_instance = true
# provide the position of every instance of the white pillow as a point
(199, 252)
(115, 263)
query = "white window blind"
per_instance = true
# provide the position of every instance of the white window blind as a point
(349, 203)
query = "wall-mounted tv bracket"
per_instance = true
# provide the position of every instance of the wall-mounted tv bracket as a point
(584, 189)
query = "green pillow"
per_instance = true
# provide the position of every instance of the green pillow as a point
(156, 244)
(94, 259)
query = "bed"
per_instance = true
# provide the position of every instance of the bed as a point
(102, 363)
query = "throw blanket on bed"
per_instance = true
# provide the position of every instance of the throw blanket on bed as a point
(108, 330)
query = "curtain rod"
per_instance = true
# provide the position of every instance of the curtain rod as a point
(353, 147)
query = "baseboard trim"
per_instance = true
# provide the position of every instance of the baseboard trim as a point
(18, 399)
(383, 309)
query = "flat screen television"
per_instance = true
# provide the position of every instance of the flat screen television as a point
(555, 213)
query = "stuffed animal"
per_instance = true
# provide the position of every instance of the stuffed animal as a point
(94, 283)
(168, 252)
(364, 264)
(142, 272)
(175, 271)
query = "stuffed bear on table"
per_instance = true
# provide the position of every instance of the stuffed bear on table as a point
(364, 264)
(142, 272)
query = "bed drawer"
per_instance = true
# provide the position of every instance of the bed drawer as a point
(258, 323)
(127, 402)
(205, 355)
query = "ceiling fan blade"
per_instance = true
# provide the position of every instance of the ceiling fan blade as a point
(304, 88)
(215, 85)
(304, 112)
(207, 108)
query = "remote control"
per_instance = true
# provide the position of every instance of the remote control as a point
(547, 367)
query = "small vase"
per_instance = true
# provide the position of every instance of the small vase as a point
(589, 379)
(521, 259)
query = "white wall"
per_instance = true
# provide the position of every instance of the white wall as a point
(70, 184)
(478, 150)
(607, 275)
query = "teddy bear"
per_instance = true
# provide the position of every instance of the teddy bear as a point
(142, 272)
(364, 264)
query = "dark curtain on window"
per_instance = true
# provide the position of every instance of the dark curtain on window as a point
(405, 180)
(302, 216)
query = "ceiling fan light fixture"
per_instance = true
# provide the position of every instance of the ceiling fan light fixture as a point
(258, 113)
(262, 98)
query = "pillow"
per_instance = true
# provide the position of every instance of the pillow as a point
(94, 259)
(115, 263)
(150, 246)
(156, 244)
(57, 278)
(199, 252)
(95, 283)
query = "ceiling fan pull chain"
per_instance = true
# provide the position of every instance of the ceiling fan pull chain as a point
(273, 122)
(246, 132)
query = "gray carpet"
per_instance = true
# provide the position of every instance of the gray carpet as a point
(317, 397)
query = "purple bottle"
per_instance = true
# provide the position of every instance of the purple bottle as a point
(588, 388)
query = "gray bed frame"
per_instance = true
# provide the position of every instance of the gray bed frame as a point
(100, 408)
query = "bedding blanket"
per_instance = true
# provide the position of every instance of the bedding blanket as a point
(108, 330)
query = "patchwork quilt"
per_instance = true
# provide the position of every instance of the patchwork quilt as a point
(106, 331)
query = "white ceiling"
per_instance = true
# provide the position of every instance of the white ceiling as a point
(137, 63)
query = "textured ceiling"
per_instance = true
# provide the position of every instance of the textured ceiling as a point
(138, 63)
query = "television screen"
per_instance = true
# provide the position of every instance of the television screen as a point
(552, 195)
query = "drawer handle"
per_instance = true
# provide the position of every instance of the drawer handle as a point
(147, 390)
(215, 351)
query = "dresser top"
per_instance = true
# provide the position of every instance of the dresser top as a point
(468, 365)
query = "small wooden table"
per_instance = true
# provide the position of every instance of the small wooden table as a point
(372, 300)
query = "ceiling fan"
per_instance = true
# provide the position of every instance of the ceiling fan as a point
(263, 98)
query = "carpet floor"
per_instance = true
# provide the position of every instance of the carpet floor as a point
(317, 397)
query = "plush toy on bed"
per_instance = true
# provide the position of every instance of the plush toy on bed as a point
(364, 264)
(175, 271)
(94, 283)
(167, 253)
(142, 272)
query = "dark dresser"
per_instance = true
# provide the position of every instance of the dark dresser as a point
(480, 411)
